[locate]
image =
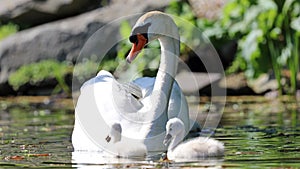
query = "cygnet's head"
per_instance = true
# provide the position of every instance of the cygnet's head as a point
(174, 127)
(115, 133)
(152, 25)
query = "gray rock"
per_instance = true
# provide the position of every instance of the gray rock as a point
(34, 12)
(196, 81)
(264, 83)
(63, 40)
(207, 8)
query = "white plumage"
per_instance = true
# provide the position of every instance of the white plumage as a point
(200, 147)
(103, 100)
(121, 148)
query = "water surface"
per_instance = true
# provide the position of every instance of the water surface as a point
(257, 132)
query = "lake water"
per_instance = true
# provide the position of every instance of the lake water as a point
(257, 132)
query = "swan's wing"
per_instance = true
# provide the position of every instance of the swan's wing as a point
(94, 112)
(125, 97)
(102, 76)
(133, 89)
(91, 115)
(145, 84)
(105, 76)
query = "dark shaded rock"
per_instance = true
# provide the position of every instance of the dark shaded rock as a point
(42, 88)
(63, 40)
(35, 12)
(6, 89)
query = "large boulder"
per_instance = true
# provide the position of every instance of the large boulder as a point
(34, 12)
(63, 39)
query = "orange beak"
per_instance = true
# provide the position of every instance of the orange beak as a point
(136, 48)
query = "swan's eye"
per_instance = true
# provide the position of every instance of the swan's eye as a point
(170, 127)
(143, 30)
(133, 39)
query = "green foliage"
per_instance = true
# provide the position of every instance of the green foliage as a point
(268, 36)
(87, 68)
(6, 30)
(124, 45)
(267, 32)
(35, 73)
(186, 31)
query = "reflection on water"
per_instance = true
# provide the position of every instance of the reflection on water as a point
(35, 132)
(97, 160)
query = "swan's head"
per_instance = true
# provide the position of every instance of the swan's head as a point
(173, 128)
(152, 25)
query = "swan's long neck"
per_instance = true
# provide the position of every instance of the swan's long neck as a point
(164, 82)
(176, 140)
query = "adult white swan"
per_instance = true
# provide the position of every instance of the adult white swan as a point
(142, 107)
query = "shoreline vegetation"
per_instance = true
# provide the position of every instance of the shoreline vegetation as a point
(262, 37)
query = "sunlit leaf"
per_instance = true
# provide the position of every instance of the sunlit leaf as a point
(125, 29)
(296, 10)
(249, 45)
(295, 24)
(286, 6)
(274, 33)
(285, 54)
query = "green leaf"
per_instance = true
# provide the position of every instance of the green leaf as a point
(295, 24)
(275, 32)
(37, 72)
(125, 29)
(296, 10)
(286, 6)
(285, 54)
(249, 45)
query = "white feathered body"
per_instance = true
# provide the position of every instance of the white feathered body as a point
(196, 148)
(129, 150)
(98, 107)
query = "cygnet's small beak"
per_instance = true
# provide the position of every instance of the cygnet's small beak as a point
(108, 138)
(136, 48)
(167, 139)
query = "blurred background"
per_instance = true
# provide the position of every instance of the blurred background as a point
(257, 42)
